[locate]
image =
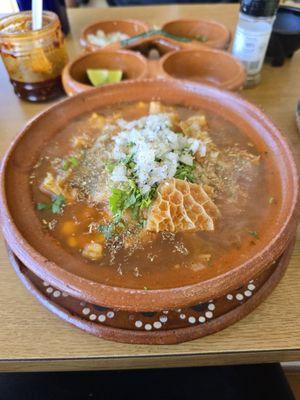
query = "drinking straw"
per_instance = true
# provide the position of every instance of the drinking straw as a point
(37, 11)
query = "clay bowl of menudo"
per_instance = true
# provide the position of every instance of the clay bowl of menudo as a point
(149, 195)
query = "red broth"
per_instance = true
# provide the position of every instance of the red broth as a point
(165, 260)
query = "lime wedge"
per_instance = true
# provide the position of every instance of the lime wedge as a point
(114, 76)
(97, 77)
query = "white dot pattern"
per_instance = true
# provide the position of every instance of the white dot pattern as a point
(248, 292)
(138, 324)
(240, 296)
(157, 325)
(101, 318)
(163, 318)
(86, 311)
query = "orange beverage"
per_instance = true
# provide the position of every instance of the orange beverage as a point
(34, 59)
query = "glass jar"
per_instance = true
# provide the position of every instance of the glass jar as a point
(34, 59)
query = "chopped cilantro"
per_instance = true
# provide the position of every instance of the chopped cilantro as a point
(70, 162)
(130, 201)
(131, 164)
(129, 198)
(135, 211)
(65, 165)
(128, 159)
(185, 172)
(74, 161)
(142, 223)
(55, 206)
(42, 206)
(110, 229)
(254, 234)
(145, 203)
(110, 166)
(117, 200)
(107, 230)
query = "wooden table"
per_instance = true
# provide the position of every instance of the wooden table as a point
(33, 339)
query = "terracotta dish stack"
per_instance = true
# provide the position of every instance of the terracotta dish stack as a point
(223, 295)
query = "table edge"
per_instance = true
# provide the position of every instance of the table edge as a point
(149, 361)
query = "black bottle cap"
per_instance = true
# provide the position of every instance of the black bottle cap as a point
(259, 8)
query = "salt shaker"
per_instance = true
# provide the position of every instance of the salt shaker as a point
(252, 35)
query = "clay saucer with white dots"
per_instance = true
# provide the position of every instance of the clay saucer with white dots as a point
(164, 327)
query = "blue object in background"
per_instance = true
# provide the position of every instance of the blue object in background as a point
(57, 6)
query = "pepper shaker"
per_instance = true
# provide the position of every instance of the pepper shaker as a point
(252, 35)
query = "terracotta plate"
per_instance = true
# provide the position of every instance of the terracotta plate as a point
(164, 327)
(47, 259)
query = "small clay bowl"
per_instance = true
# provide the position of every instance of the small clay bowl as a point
(213, 67)
(74, 77)
(50, 261)
(128, 26)
(217, 35)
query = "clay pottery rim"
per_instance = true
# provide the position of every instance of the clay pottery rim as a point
(220, 63)
(134, 26)
(246, 117)
(222, 35)
(168, 336)
(132, 63)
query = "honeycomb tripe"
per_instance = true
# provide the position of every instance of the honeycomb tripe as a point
(181, 206)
